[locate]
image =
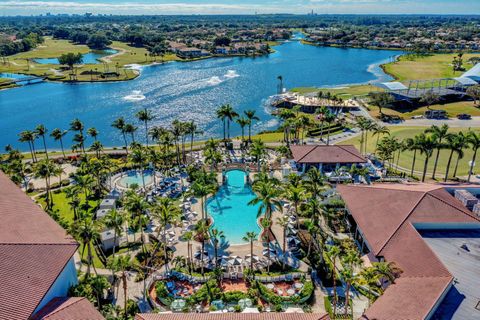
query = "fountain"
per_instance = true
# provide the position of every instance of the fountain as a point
(135, 96)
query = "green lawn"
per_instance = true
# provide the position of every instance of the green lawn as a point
(407, 156)
(342, 92)
(453, 109)
(429, 67)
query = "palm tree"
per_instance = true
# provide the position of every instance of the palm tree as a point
(87, 232)
(122, 264)
(412, 144)
(283, 222)
(41, 131)
(388, 270)
(250, 237)
(379, 130)
(243, 122)
(250, 114)
(93, 132)
(29, 136)
(145, 116)
(202, 234)
(130, 129)
(333, 253)
(258, 151)
(461, 143)
(452, 146)
(215, 234)
(266, 224)
(96, 147)
(212, 157)
(201, 189)
(426, 146)
(139, 158)
(329, 118)
(348, 277)
(222, 115)
(166, 213)
(230, 114)
(45, 169)
(192, 130)
(474, 141)
(312, 229)
(114, 220)
(188, 236)
(72, 194)
(77, 126)
(440, 134)
(266, 194)
(119, 124)
(58, 135)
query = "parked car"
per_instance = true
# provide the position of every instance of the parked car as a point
(464, 116)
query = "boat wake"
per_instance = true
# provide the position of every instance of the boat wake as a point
(214, 81)
(135, 96)
(231, 74)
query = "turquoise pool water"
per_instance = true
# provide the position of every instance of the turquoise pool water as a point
(88, 58)
(132, 176)
(230, 210)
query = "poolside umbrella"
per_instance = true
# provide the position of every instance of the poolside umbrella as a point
(249, 258)
(224, 261)
(245, 303)
(293, 241)
(178, 304)
(235, 261)
(202, 256)
(218, 304)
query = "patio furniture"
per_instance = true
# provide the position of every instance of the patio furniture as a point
(270, 286)
(245, 303)
(298, 285)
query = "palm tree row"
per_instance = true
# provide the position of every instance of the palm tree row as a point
(227, 114)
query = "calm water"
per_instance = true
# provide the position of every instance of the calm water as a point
(187, 91)
(87, 58)
(230, 210)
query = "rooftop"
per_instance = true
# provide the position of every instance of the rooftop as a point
(326, 154)
(388, 217)
(73, 308)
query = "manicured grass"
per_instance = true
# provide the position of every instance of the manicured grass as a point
(452, 109)
(427, 67)
(342, 92)
(406, 157)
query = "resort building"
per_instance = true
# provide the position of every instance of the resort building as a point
(233, 316)
(325, 158)
(431, 236)
(36, 265)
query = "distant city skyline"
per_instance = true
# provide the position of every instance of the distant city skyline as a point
(170, 7)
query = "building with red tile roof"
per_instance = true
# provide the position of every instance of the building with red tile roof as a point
(388, 220)
(73, 308)
(36, 262)
(232, 316)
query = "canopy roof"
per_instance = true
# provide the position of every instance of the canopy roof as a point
(392, 86)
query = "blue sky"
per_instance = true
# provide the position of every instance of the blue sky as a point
(27, 7)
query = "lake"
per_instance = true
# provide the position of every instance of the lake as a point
(187, 91)
(87, 58)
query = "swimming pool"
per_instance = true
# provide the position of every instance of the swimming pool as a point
(230, 210)
(133, 176)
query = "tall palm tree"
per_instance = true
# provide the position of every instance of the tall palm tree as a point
(295, 195)
(166, 213)
(329, 119)
(202, 234)
(243, 122)
(192, 130)
(283, 222)
(87, 232)
(461, 144)
(250, 236)
(312, 229)
(201, 189)
(258, 151)
(222, 115)
(474, 141)
(93, 132)
(439, 134)
(178, 130)
(139, 157)
(130, 129)
(41, 131)
(58, 134)
(145, 116)
(250, 114)
(122, 264)
(348, 277)
(267, 195)
(45, 169)
(77, 126)
(96, 147)
(314, 181)
(230, 115)
(215, 235)
(412, 144)
(119, 124)
(333, 253)
(188, 236)
(114, 220)
(266, 224)
(426, 145)
(379, 130)
(29, 137)
(451, 145)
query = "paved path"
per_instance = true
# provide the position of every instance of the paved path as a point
(453, 123)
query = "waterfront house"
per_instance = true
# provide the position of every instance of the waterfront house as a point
(36, 266)
(430, 236)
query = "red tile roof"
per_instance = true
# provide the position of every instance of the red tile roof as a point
(68, 309)
(326, 154)
(386, 214)
(34, 250)
(232, 316)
